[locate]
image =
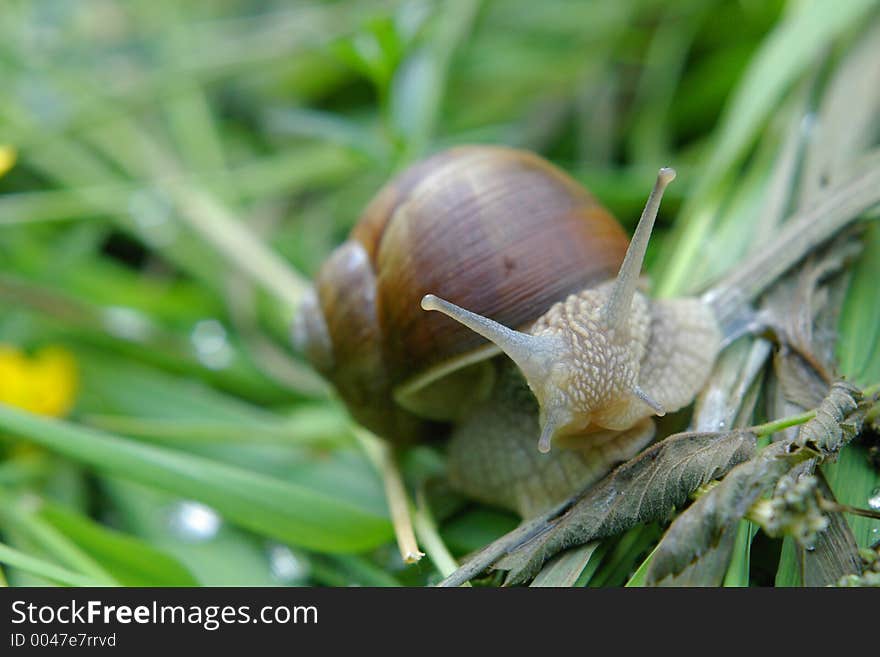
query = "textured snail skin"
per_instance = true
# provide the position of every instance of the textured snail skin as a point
(492, 455)
(666, 349)
(496, 230)
(580, 375)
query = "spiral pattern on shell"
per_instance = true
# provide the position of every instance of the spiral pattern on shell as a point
(499, 231)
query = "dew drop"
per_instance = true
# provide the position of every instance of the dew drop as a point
(808, 124)
(874, 500)
(286, 566)
(195, 522)
(127, 323)
(211, 344)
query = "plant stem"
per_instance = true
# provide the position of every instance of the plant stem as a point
(426, 530)
(773, 426)
(22, 512)
(45, 569)
(828, 505)
(382, 457)
(800, 235)
(783, 423)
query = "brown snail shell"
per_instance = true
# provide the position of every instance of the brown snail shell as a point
(500, 231)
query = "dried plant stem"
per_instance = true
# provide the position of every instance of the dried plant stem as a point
(218, 227)
(828, 505)
(380, 453)
(800, 235)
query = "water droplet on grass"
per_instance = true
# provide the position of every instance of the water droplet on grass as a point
(193, 521)
(286, 565)
(874, 500)
(211, 344)
(127, 323)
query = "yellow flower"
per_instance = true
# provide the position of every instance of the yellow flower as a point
(45, 383)
(8, 156)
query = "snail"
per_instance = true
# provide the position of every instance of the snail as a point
(506, 234)
(483, 250)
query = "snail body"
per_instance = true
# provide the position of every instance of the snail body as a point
(485, 232)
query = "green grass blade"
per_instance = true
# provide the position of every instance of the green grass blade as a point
(787, 53)
(129, 560)
(638, 577)
(266, 505)
(852, 478)
(740, 562)
(566, 568)
(21, 513)
(41, 568)
(152, 515)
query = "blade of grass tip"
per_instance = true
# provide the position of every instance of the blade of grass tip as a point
(42, 568)
(789, 572)
(23, 513)
(382, 457)
(786, 53)
(3, 582)
(738, 570)
(615, 569)
(565, 568)
(593, 564)
(272, 507)
(638, 577)
(429, 538)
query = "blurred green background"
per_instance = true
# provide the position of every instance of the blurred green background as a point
(174, 172)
